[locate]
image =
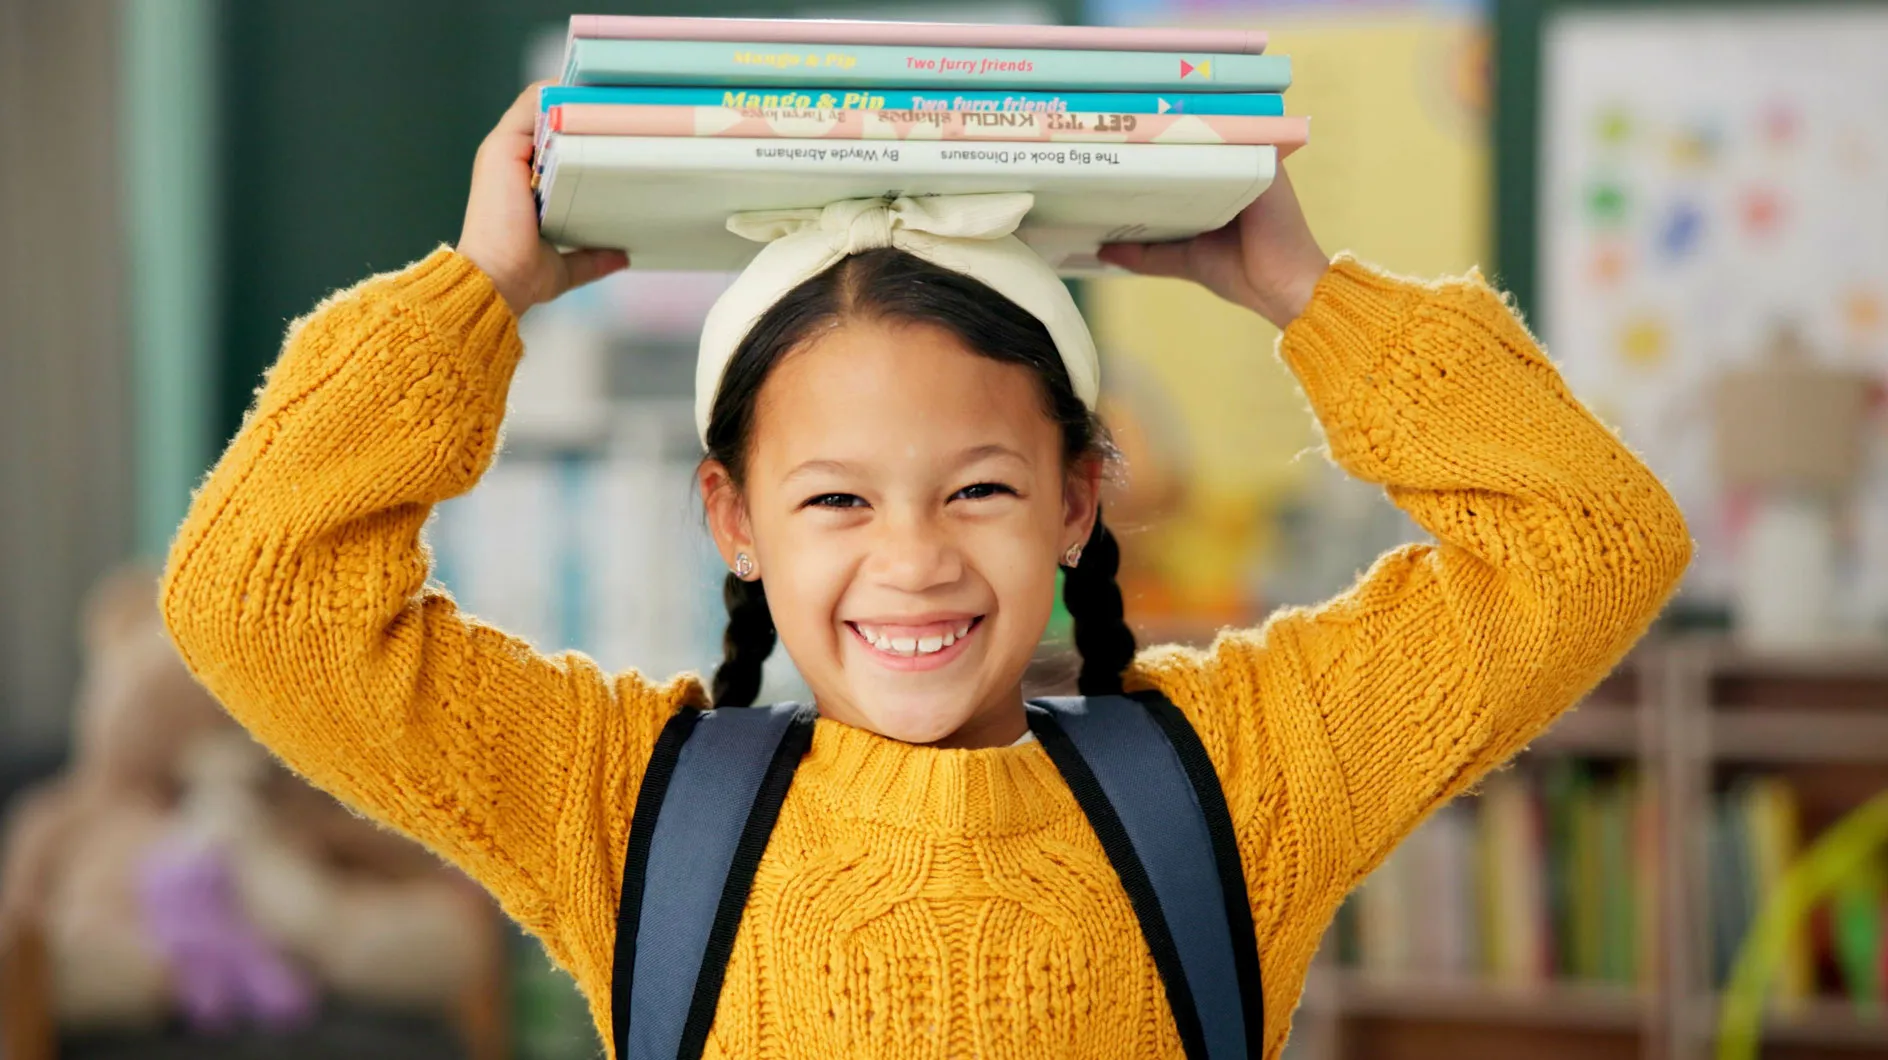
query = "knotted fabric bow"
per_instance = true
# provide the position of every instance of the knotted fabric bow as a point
(970, 234)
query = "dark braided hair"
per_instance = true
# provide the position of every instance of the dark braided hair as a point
(1102, 637)
(746, 644)
(889, 284)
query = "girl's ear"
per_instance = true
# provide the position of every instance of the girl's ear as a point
(1081, 501)
(727, 513)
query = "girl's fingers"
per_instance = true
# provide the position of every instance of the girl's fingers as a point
(1149, 259)
(522, 115)
(511, 139)
(583, 266)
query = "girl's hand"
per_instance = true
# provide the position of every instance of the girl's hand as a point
(500, 235)
(1265, 260)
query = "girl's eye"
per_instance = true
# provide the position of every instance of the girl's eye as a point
(982, 491)
(835, 500)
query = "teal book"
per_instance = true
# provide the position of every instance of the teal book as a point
(833, 97)
(713, 63)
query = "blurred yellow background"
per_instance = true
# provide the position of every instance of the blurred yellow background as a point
(1398, 173)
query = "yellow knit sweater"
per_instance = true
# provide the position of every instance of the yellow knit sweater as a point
(918, 902)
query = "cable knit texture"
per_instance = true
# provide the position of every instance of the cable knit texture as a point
(918, 902)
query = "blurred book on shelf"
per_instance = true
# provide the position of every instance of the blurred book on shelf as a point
(1551, 875)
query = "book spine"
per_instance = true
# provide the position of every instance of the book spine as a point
(832, 97)
(592, 119)
(635, 62)
(1615, 875)
(543, 173)
(1115, 162)
(942, 34)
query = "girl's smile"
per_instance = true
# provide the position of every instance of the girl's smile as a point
(923, 643)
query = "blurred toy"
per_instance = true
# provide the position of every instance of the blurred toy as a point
(176, 870)
(1789, 441)
(69, 866)
(1847, 848)
(224, 970)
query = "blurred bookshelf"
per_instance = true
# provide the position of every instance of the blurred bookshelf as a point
(1706, 766)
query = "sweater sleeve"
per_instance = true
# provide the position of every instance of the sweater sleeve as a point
(296, 591)
(1336, 729)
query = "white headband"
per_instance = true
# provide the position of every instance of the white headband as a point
(971, 234)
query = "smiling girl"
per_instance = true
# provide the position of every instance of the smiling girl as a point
(896, 403)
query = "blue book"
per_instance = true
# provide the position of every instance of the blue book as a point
(597, 61)
(1266, 104)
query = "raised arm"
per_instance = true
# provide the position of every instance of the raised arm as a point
(296, 589)
(1555, 549)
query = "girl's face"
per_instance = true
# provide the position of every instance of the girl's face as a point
(906, 504)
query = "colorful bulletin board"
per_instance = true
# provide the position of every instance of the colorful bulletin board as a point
(1708, 174)
(1213, 425)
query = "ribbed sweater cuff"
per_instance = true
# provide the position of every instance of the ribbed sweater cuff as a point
(461, 306)
(1355, 314)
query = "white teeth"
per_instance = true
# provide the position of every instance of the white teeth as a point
(885, 642)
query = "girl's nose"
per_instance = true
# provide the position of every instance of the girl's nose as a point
(915, 555)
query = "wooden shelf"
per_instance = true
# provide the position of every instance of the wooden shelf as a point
(1786, 736)
(1607, 729)
(1818, 1021)
(1755, 736)
(1353, 994)
(1862, 657)
(1349, 994)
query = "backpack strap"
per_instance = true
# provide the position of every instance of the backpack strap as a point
(1144, 781)
(707, 806)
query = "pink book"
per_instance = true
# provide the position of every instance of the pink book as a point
(615, 119)
(943, 34)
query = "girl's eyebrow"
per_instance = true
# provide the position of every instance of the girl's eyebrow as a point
(986, 452)
(844, 467)
(831, 467)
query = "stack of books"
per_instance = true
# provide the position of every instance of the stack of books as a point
(662, 127)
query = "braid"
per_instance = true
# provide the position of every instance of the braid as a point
(746, 644)
(1102, 637)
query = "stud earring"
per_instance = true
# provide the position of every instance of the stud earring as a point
(743, 567)
(1073, 556)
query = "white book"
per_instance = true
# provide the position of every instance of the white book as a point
(1385, 917)
(666, 200)
(1447, 934)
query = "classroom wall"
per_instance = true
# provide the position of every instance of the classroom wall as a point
(65, 470)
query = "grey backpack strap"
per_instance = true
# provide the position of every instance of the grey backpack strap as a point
(1143, 779)
(708, 803)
